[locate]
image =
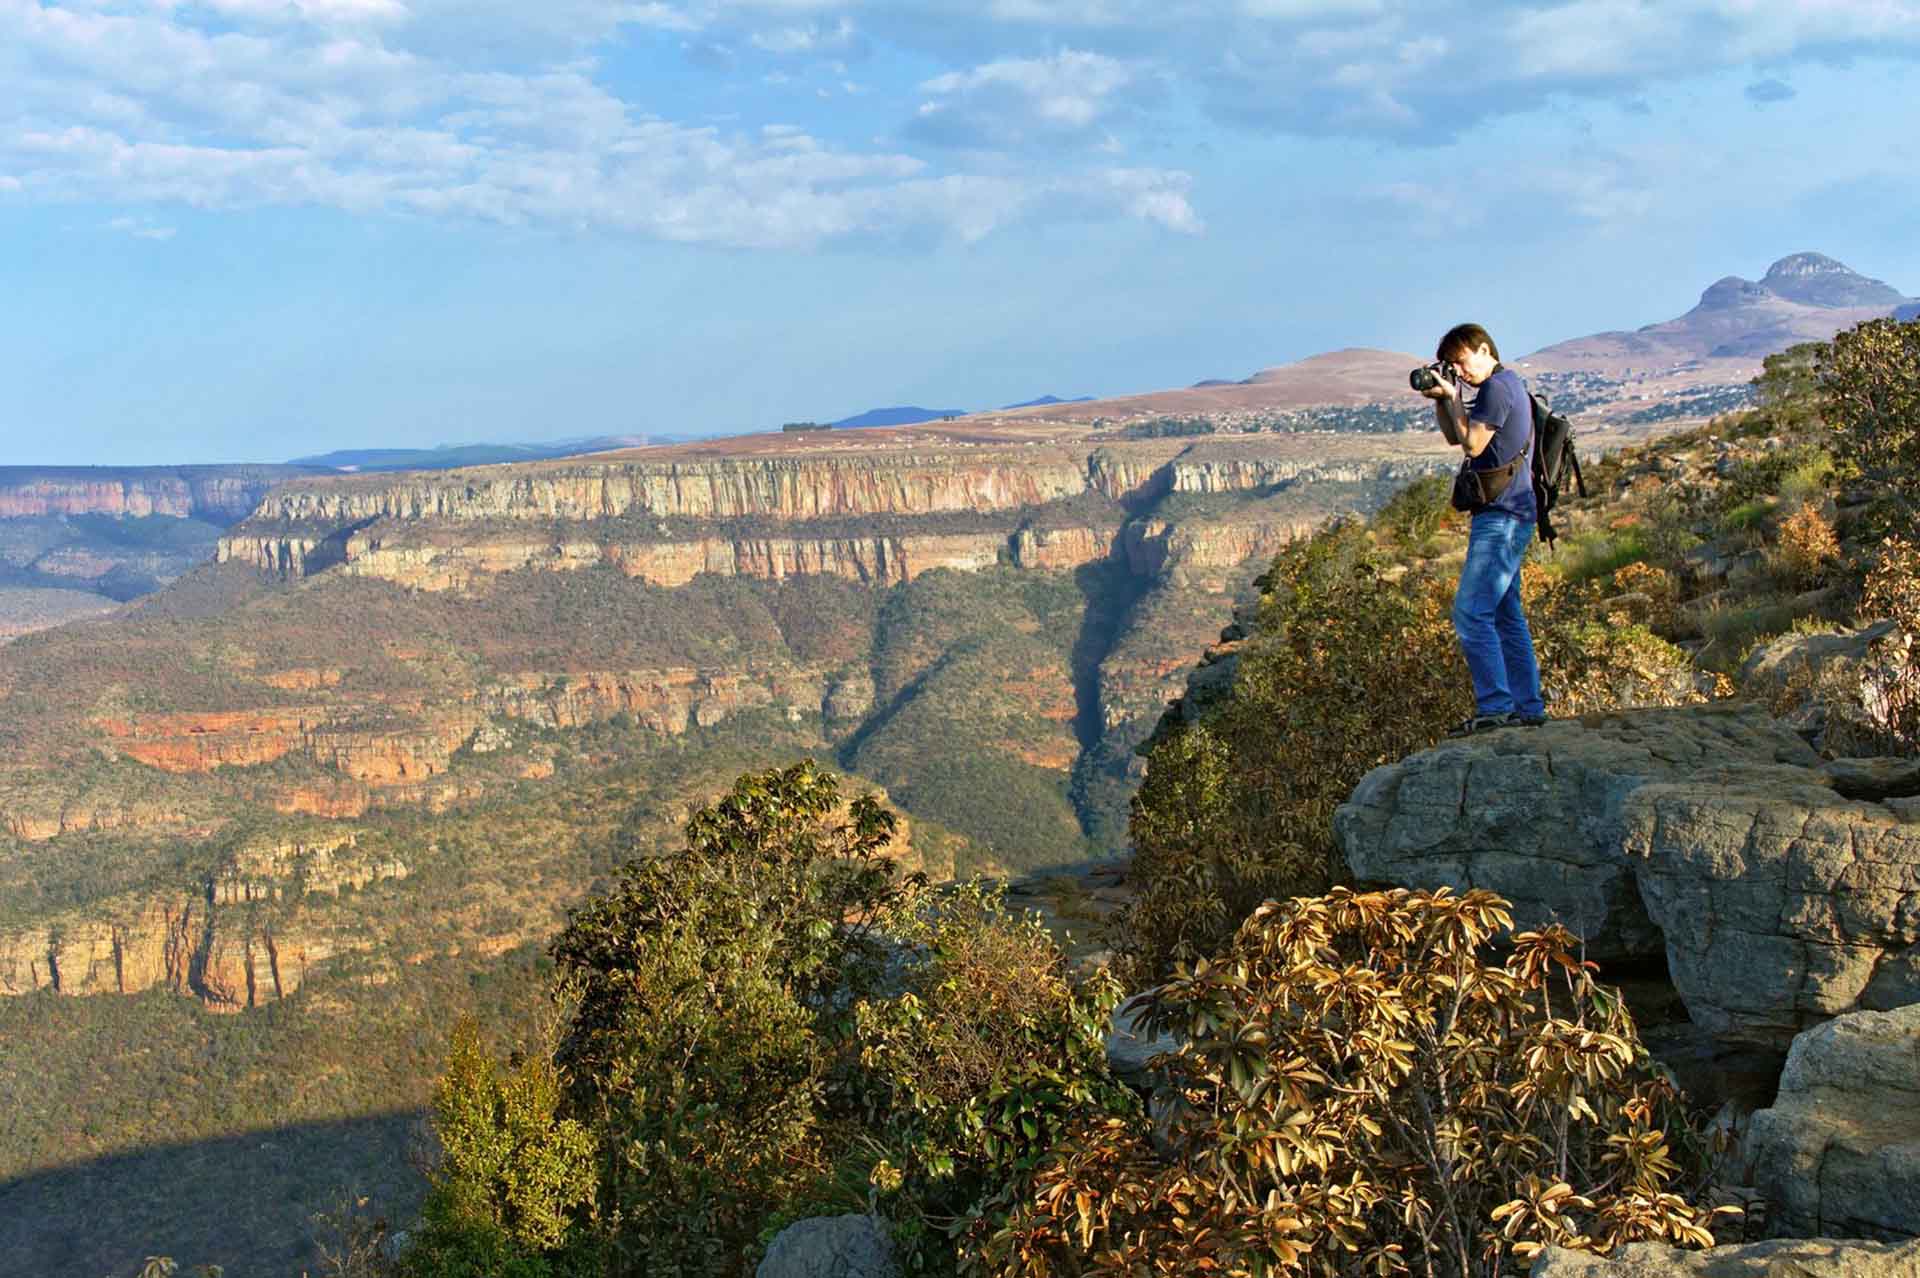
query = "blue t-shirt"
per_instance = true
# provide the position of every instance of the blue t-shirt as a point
(1502, 403)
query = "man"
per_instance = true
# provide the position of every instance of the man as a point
(1495, 430)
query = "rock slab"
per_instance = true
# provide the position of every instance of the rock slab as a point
(1839, 1151)
(1712, 835)
(1789, 1258)
(851, 1246)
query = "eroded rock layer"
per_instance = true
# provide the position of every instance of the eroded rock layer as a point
(1712, 836)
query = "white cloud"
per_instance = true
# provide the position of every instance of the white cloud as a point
(1016, 101)
(141, 228)
(147, 108)
(1376, 67)
(811, 38)
(505, 110)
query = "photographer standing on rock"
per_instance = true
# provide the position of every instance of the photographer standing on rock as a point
(1496, 485)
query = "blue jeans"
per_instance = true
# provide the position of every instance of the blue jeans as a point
(1487, 618)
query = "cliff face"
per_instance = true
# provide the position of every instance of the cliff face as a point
(881, 519)
(747, 488)
(228, 940)
(417, 743)
(216, 494)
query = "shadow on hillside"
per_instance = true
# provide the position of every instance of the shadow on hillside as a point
(245, 1203)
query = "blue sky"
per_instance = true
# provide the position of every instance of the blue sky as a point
(251, 229)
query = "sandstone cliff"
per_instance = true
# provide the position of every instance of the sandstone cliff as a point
(218, 939)
(216, 494)
(880, 518)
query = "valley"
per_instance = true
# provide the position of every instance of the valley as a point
(294, 767)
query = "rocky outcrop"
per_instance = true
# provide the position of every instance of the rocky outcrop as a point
(1839, 1151)
(665, 701)
(881, 518)
(389, 553)
(1829, 687)
(783, 488)
(1710, 836)
(1796, 1258)
(202, 741)
(416, 744)
(851, 1246)
(220, 941)
(216, 494)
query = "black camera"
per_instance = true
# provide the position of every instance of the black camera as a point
(1428, 376)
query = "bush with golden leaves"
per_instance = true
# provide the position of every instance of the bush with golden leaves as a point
(1348, 670)
(1807, 549)
(1645, 593)
(1594, 659)
(1361, 1092)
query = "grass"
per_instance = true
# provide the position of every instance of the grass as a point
(1732, 632)
(1748, 516)
(1596, 554)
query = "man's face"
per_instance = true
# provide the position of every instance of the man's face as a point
(1474, 366)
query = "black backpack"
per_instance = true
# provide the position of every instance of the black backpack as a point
(1553, 461)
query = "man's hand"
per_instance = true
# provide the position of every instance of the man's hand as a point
(1442, 389)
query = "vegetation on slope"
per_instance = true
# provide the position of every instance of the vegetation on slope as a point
(1694, 550)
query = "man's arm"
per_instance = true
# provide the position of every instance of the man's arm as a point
(1455, 426)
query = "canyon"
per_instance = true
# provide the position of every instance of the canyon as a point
(368, 646)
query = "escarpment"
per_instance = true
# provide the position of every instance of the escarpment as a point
(216, 494)
(882, 518)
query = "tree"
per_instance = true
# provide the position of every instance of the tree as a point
(711, 984)
(1871, 381)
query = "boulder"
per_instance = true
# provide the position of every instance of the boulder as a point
(1839, 1151)
(1710, 835)
(1781, 1258)
(1128, 1051)
(1877, 779)
(1774, 663)
(851, 1246)
(1823, 684)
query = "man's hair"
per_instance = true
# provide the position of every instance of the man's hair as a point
(1462, 338)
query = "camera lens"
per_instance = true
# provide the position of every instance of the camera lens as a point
(1422, 379)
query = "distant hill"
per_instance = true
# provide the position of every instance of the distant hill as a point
(1908, 312)
(1046, 400)
(447, 456)
(905, 415)
(1342, 378)
(1802, 298)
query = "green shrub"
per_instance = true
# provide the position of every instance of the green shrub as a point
(1348, 670)
(1414, 514)
(1769, 475)
(1591, 555)
(713, 985)
(1747, 516)
(1870, 381)
(1808, 481)
(507, 1160)
(970, 1075)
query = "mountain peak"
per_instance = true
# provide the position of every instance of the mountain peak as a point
(1814, 279)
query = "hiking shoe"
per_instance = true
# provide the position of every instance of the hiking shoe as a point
(1483, 723)
(1529, 720)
